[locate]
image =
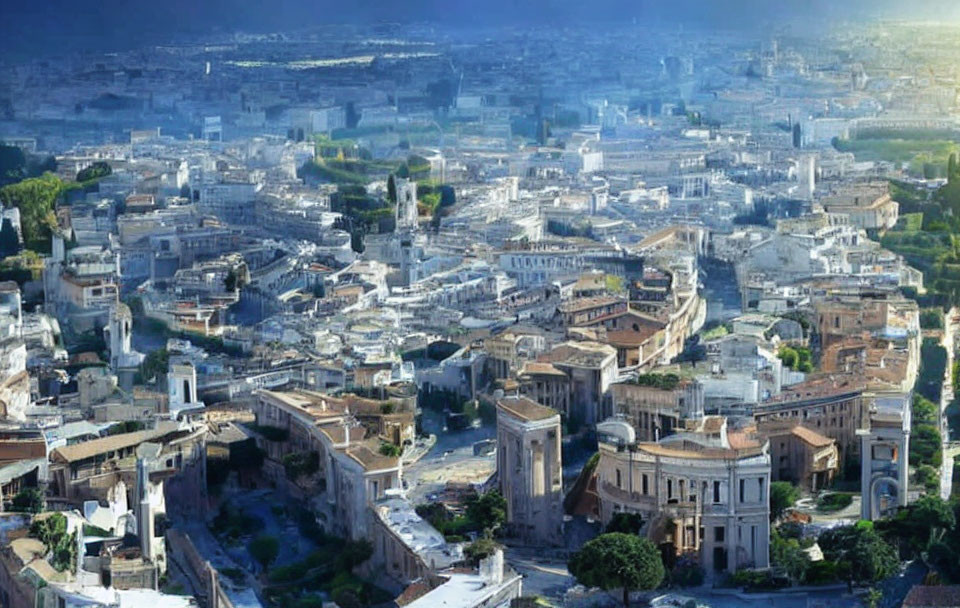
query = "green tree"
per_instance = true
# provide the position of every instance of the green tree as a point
(931, 318)
(52, 532)
(392, 189)
(488, 511)
(923, 410)
(481, 548)
(154, 364)
(353, 553)
(921, 524)
(628, 523)
(265, 549)
(926, 445)
(618, 560)
(787, 553)
(35, 198)
(783, 495)
(95, 171)
(29, 500)
(928, 477)
(870, 558)
(873, 595)
(390, 449)
(788, 356)
(945, 558)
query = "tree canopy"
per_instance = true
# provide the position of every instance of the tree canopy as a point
(265, 549)
(628, 523)
(35, 198)
(30, 500)
(921, 524)
(95, 171)
(870, 557)
(618, 560)
(787, 553)
(782, 496)
(488, 511)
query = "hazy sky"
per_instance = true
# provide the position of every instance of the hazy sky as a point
(52, 24)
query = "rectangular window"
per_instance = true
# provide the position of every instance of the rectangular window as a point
(719, 533)
(619, 485)
(645, 490)
(716, 492)
(669, 489)
(760, 481)
(742, 487)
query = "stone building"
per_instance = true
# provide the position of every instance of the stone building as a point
(885, 461)
(351, 474)
(704, 490)
(546, 385)
(801, 456)
(655, 404)
(529, 469)
(834, 406)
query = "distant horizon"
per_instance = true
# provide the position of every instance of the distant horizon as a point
(54, 26)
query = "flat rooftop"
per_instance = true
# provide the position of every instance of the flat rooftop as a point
(526, 409)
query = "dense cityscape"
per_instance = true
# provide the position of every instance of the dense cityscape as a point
(411, 315)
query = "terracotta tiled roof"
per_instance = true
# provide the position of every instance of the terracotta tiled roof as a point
(811, 437)
(89, 449)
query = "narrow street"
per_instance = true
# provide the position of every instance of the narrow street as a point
(450, 459)
(543, 575)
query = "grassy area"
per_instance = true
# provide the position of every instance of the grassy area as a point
(346, 171)
(666, 382)
(910, 222)
(714, 334)
(830, 503)
(926, 157)
(936, 253)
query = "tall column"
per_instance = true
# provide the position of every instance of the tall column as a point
(866, 496)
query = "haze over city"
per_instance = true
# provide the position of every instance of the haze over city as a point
(505, 304)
